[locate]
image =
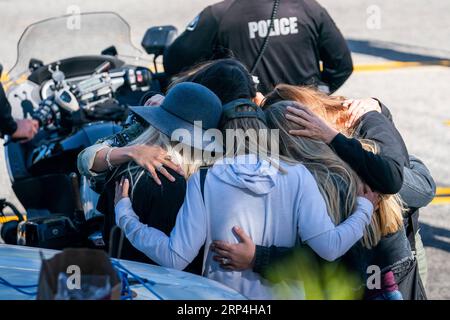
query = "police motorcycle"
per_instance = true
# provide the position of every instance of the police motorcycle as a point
(77, 81)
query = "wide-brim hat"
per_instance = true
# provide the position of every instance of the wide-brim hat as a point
(189, 110)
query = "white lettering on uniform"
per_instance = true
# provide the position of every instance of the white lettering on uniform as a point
(262, 28)
(252, 28)
(284, 26)
(293, 25)
(281, 27)
(276, 29)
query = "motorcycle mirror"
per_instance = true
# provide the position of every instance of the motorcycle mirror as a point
(35, 64)
(110, 51)
(157, 39)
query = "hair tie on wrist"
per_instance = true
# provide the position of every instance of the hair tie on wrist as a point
(108, 159)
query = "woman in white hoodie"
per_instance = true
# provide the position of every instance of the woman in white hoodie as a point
(276, 203)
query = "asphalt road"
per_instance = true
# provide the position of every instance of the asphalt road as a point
(378, 32)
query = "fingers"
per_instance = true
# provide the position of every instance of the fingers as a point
(120, 185)
(166, 173)
(169, 164)
(166, 160)
(243, 237)
(155, 100)
(371, 195)
(223, 253)
(300, 121)
(300, 112)
(153, 173)
(227, 266)
(125, 188)
(222, 245)
(153, 158)
(352, 111)
(356, 116)
(121, 190)
(259, 98)
(301, 133)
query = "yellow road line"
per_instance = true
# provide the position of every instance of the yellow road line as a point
(441, 200)
(8, 219)
(4, 77)
(7, 82)
(442, 195)
(398, 65)
(443, 191)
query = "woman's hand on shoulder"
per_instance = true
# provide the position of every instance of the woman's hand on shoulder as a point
(359, 107)
(154, 159)
(122, 189)
(155, 100)
(366, 192)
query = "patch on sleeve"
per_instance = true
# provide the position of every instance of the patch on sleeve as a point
(193, 24)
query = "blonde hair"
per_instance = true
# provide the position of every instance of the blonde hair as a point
(259, 142)
(333, 175)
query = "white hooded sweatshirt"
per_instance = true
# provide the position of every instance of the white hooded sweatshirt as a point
(272, 207)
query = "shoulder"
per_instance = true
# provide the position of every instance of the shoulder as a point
(313, 7)
(218, 10)
(193, 182)
(376, 126)
(148, 186)
(374, 120)
(300, 174)
(212, 14)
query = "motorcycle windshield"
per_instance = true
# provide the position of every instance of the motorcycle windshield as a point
(67, 36)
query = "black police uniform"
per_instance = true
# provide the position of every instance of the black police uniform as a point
(7, 124)
(303, 34)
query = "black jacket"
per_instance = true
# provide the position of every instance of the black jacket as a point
(7, 123)
(416, 190)
(304, 34)
(157, 206)
(383, 172)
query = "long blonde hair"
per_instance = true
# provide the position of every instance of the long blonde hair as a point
(337, 182)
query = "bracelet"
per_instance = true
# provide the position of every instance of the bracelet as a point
(108, 159)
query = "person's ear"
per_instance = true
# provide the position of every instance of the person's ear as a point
(258, 99)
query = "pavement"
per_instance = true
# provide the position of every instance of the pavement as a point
(400, 50)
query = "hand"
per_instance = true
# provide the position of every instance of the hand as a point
(314, 126)
(122, 189)
(26, 129)
(155, 100)
(366, 192)
(237, 257)
(154, 158)
(358, 108)
(259, 98)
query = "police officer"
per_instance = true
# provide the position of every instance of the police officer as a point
(298, 35)
(22, 130)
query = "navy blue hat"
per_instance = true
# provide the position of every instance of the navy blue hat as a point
(185, 103)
